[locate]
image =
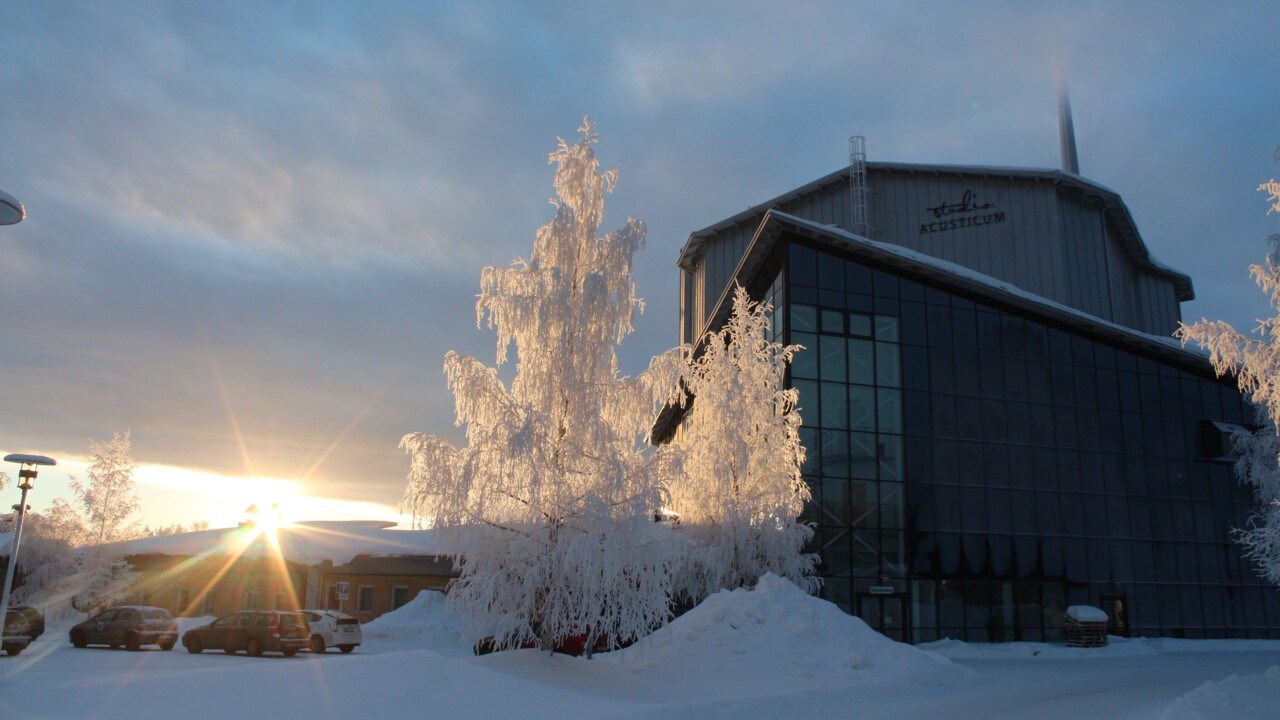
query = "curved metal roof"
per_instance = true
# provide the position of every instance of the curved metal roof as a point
(1113, 208)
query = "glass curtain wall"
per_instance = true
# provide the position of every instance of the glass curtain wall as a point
(988, 469)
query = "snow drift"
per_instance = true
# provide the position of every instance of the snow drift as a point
(776, 636)
(1239, 697)
(423, 623)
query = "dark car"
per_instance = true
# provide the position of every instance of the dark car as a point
(22, 625)
(253, 631)
(33, 617)
(129, 625)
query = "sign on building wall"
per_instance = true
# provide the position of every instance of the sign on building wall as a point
(344, 590)
(966, 213)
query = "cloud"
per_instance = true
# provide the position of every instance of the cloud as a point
(254, 232)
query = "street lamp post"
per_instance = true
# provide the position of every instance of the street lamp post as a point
(11, 211)
(26, 481)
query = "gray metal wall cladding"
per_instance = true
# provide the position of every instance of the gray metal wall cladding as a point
(1043, 238)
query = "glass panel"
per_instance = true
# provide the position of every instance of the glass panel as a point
(889, 410)
(890, 457)
(804, 318)
(861, 362)
(864, 455)
(887, 328)
(834, 406)
(888, 366)
(812, 462)
(836, 507)
(892, 513)
(805, 363)
(864, 496)
(866, 554)
(809, 403)
(860, 325)
(830, 273)
(832, 322)
(804, 265)
(832, 367)
(835, 453)
(893, 552)
(862, 411)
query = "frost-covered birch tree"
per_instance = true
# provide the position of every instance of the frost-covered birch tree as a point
(1255, 362)
(550, 502)
(110, 498)
(66, 560)
(738, 490)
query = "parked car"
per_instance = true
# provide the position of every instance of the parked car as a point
(34, 619)
(254, 631)
(19, 629)
(129, 625)
(330, 628)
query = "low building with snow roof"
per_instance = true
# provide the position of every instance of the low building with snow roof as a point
(364, 568)
(998, 423)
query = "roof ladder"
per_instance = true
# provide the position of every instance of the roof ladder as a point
(858, 186)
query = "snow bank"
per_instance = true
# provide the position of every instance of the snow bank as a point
(777, 636)
(1239, 697)
(423, 623)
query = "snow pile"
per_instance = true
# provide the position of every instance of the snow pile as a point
(1086, 613)
(1239, 697)
(777, 637)
(423, 623)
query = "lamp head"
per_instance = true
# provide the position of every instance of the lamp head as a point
(11, 211)
(27, 473)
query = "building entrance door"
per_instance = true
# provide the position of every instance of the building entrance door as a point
(884, 613)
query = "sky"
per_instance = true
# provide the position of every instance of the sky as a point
(255, 229)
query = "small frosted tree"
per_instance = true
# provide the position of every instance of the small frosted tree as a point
(1255, 362)
(738, 490)
(550, 503)
(110, 498)
(59, 572)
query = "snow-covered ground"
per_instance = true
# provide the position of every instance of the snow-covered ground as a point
(769, 653)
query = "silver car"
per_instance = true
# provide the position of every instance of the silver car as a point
(330, 628)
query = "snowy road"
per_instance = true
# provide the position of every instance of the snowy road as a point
(770, 653)
(54, 680)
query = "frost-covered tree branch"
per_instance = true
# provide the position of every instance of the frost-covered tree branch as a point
(1255, 362)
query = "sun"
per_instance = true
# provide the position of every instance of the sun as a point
(265, 518)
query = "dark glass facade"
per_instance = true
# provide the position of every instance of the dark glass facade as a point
(976, 469)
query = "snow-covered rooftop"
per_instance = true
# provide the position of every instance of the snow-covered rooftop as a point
(309, 542)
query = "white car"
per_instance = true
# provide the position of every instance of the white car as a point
(330, 628)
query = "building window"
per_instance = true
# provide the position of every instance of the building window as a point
(251, 601)
(206, 608)
(364, 600)
(184, 601)
(399, 597)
